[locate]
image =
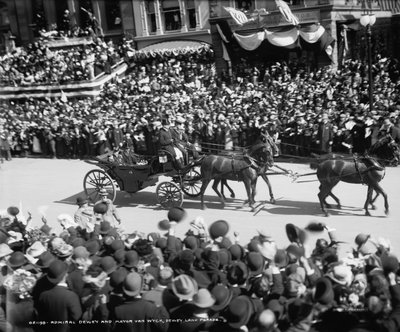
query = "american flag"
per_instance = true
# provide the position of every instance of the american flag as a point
(239, 17)
(286, 12)
(390, 5)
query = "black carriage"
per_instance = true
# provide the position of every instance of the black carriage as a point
(145, 172)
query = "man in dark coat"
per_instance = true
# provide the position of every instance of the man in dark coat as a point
(325, 135)
(140, 315)
(167, 143)
(58, 304)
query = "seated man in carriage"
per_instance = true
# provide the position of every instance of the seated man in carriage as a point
(167, 143)
(181, 139)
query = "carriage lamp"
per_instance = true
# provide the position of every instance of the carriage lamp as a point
(368, 20)
(162, 158)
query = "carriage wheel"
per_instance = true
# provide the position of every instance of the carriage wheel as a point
(191, 183)
(169, 195)
(94, 181)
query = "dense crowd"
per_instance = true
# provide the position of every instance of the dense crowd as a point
(38, 64)
(95, 276)
(305, 111)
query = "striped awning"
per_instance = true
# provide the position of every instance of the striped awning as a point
(390, 5)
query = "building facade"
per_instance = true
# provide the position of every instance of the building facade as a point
(161, 21)
(340, 18)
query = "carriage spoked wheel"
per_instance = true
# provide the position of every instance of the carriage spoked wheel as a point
(94, 181)
(169, 195)
(191, 183)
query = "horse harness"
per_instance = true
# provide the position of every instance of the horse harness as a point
(374, 166)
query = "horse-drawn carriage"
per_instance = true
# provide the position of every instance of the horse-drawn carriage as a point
(145, 172)
(245, 165)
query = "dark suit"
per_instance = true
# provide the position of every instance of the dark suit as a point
(58, 304)
(166, 141)
(145, 316)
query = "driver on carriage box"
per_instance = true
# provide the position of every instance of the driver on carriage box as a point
(167, 142)
(181, 139)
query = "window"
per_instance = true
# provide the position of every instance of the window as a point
(245, 4)
(171, 14)
(85, 6)
(151, 16)
(113, 14)
(191, 14)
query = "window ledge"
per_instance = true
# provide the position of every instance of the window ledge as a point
(174, 34)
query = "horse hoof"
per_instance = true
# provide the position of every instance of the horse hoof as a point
(232, 195)
(204, 207)
(387, 212)
(339, 206)
(373, 207)
(368, 214)
(272, 200)
(326, 214)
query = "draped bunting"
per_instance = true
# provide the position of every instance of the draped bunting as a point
(250, 42)
(312, 37)
(289, 38)
(282, 39)
(168, 52)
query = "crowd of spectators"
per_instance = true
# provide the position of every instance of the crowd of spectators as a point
(306, 111)
(38, 64)
(97, 277)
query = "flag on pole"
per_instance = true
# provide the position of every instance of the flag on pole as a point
(286, 12)
(239, 17)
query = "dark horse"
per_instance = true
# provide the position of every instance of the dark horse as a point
(245, 167)
(368, 170)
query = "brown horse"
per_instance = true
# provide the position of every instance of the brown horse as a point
(244, 168)
(358, 170)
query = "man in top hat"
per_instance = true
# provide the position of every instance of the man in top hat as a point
(84, 215)
(167, 143)
(58, 303)
(111, 215)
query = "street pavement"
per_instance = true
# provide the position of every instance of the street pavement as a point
(52, 186)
